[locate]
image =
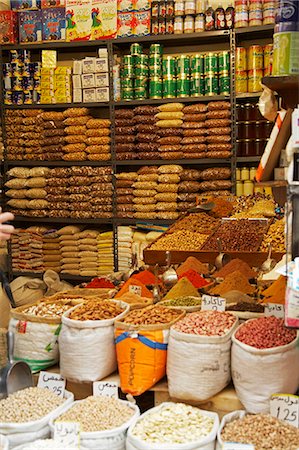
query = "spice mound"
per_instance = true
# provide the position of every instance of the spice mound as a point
(235, 281)
(265, 332)
(192, 263)
(197, 223)
(232, 266)
(28, 405)
(276, 292)
(131, 298)
(206, 323)
(48, 310)
(46, 444)
(173, 423)
(98, 414)
(93, 310)
(249, 307)
(263, 431)
(152, 315)
(182, 301)
(182, 288)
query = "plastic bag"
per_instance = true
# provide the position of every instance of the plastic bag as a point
(268, 104)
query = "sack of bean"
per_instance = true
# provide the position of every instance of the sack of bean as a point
(87, 330)
(25, 414)
(174, 426)
(200, 341)
(263, 351)
(36, 328)
(4, 444)
(104, 421)
(141, 346)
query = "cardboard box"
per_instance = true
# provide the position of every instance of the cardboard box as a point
(102, 94)
(54, 24)
(125, 24)
(77, 95)
(101, 65)
(104, 19)
(101, 80)
(88, 80)
(52, 4)
(89, 95)
(25, 5)
(125, 5)
(78, 20)
(77, 67)
(77, 82)
(142, 23)
(88, 65)
(8, 27)
(30, 26)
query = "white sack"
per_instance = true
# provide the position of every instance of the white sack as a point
(225, 420)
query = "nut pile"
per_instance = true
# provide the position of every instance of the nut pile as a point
(206, 323)
(263, 431)
(98, 414)
(152, 315)
(197, 223)
(45, 444)
(94, 310)
(183, 240)
(173, 423)
(28, 405)
(275, 237)
(47, 310)
(265, 332)
(182, 301)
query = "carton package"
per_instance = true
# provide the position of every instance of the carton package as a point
(52, 4)
(78, 20)
(30, 26)
(125, 5)
(141, 5)
(25, 5)
(142, 23)
(54, 24)
(125, 21)
(8, 27)
(89, 95)
(104, 19)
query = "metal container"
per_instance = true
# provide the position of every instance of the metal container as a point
(169, 66)
(127, 94)
(141, 59)
(156, 49)
(136, 49)
(183, 65)
(140, 82)
(224, 83)
(155, 88)
(198, 64)
(141, 71)
(197, 86)
(211, 85)
(169, 88)
(224, 61)
(211, 63)
(183, 88)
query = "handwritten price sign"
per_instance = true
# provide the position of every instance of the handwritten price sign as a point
(52, 381)
(285, 407)
(274, 309)
(135, 289)
(105, 389)
(209, 303)
(67, 433)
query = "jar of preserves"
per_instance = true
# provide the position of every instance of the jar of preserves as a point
(155, 26)
(162, 9)
(250, 112)
(248, 187)
(239, 188)
(162, 26)
(189, 24)
(190, 7)
(199, 23)
(239, 149)
(169, 8)
(255, 13)
(249, 147)
(179, 7)
(268, 128)
(201, 6)
(244, 173)
(230, 17)
(169, 25)
(210, 19)
(240, 113)
(155, 9)
(178, 25)
(252, 173)
(260, 145)
(238, 174)
(241, 14)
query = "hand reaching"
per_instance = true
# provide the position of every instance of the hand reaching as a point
(6, 230)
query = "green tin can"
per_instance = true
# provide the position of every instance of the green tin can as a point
(211, 63)
(169, 88)
(135, 49)
(140, 82)
(155, 71)
(156, 49)
(198, 64)
(169, 66)
(224, 62)
(128, 60)
(127, 94)
(155, 60)
(127, 83)
(224, 83)
(141, 93)
(197, 87)
(183, 65)
(183, 88)
(211, 85)
(141, 60)
(155, 88)
(127, 72)
(141, 71)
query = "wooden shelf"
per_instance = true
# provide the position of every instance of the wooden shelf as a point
(287, 87)
(30, 163)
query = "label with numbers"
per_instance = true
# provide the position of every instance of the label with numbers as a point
(285, 407)
(209, 303)
(52, 381)
(67, 433)
(274, 309)
(135, 289)
(236, 446)
(105, 389)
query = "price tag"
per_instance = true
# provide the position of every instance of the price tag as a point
(105, 389)
(52, 381)
(209, 303)
(236, 446)
(285, 407)
(274, 309)
(67, 433)
(135, 289)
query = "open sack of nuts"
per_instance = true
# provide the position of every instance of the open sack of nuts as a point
(86, 340)
(104, 421)
(265, 360)
(174, 426)
(141, 346)
(25, 415)
(201, 342)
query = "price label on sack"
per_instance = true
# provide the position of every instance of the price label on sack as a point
(274, 309)
(285, 407)
(236, 446)
(52, 381)
(105, 389)
(68, 434)
(135, 289)
(209, 303)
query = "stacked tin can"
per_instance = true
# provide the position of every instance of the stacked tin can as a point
(251, 65)
(21, 79)
(155, 71)
(134, 74)
(217, 69)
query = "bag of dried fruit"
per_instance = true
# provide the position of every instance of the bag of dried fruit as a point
(265, 361)
(86, 340)
(174, 426)
(201, 342)
(141, 346)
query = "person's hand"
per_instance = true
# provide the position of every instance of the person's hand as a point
(6, 230)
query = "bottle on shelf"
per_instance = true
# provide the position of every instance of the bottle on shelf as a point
(179, 8)
(220, 18)
(230, 16)
(210, 19)
(201, 6)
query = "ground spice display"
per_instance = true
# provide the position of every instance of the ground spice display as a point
(152, 315)
(276, 292)
(265, 332)
(234, 281)
(98, 283)
(222, 208)
(131, 298)
(192, 263)
(206, 323)
(173, 423)
(263, 431)
(197, 280)
(182, 288)
(96, 310)
(244, 306)
(129, 286)
(146, 277)
(232, 266)
(182, 301)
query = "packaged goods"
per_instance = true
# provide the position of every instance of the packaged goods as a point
(200, 341)
(263, 349)
(171, 107)
(30, 26)
(8, 27)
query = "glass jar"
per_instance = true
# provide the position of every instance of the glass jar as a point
(248, 187)
(252, 173)
(250, 112)
(239, 188)
(260, 131)
(244, 173)
(179, 7)
(255, 13)
(199, 23)
(178, 25)
(201, 6)
(239, 148)
(240, 113)
(241, 14)
(190, 7)
(238, 174)
(189, 24)
(169, 8)
(268, 128)
(260, 145)
(249, 147)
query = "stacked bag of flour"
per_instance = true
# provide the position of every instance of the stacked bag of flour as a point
(124, 246)
(98, 140)
(169, 122)
(147, 133)
(168, 185)
(105, 252)
(145, 190)
(75, 120)
(218, 130)
(53, 136)
(69, 244)
(124, 194)
(194, 131)
(125, 134)
(88, 253)
(51, 250)
(187, 195)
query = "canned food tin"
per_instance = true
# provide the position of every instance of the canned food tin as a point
(223, 62)
(155, 26)
(7, 70)
(135, 49)
(169, 88)
(141, 71)
(197, 87)
(16, 83)
(7, 82)
(155, 88)
(127, 71)
(128, 60)
(17, 69)
(162, 26)
(141, 59)
(169, 66)
(211, 62)
(127, 83)
(183, 65)
(183, 88)
(127, 94)
(255, 57)
(8, 97)
(26, 70)
(36, 68)
(15, 56)
(156, 49)
(211, 85)
(254, 80)
(268, 59)
(197, 64)
(169, 26)
(26, 56)
(140, 82)
(155, 59)
(241, 59)
(241, 82)
(155, 71)
(36, 83)
(27, 83)
(141, 93)
(224, 84)
(18, 98)
(28, 98)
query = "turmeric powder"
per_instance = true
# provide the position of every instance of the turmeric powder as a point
(276, 292)
(234, 281)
